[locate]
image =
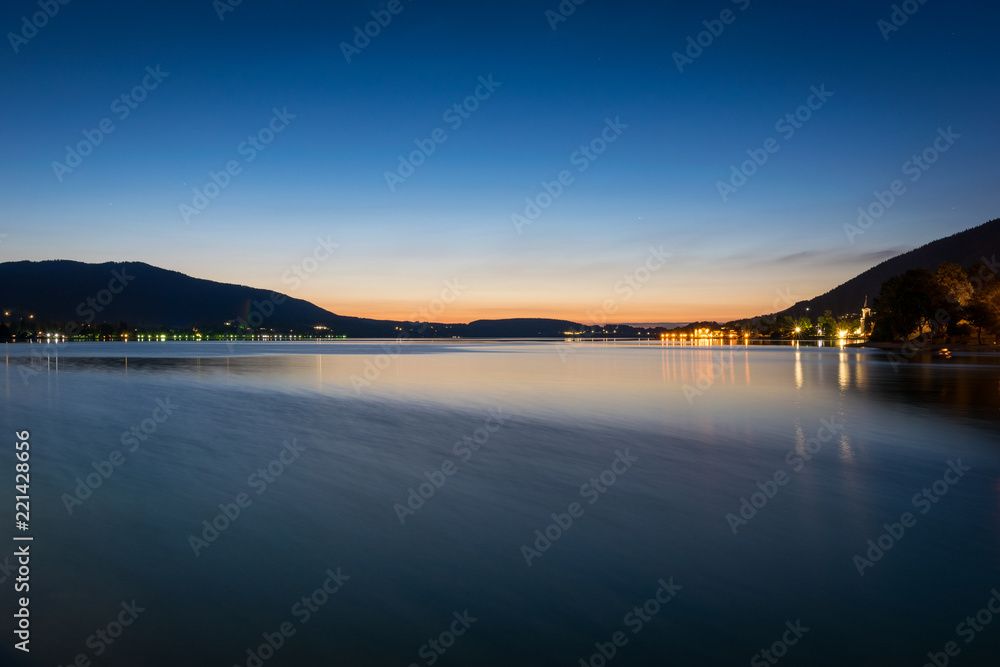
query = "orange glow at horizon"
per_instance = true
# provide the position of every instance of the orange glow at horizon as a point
(463, 314)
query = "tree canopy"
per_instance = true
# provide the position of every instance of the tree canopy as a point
(919, 301)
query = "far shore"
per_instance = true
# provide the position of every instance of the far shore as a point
(931, 347)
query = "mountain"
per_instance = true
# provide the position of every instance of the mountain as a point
(146, 296)
(963, 248)
(659, 325)
(517, 328)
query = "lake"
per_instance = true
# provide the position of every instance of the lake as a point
(504, 503)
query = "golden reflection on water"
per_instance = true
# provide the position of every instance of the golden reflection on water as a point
(580, 377)
(843, 371)
(846, 451)
(798, 368)
(800, 440)
(571, 376)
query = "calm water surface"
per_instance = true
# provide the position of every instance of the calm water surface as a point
(748, 480)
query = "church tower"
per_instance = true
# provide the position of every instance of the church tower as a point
(866, 314)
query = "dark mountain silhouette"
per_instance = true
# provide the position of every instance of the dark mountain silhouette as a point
(964, 248)
(145, 296)
(518, 328)
(63, 290)
(148, 297)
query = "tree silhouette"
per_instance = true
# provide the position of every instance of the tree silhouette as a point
(983, 310)
(908, 303)
(827, 323)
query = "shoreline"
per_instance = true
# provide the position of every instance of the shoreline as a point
(932, 347)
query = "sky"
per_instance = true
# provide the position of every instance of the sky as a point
(605, 162)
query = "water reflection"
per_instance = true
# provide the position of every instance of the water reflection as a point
(376, 422)
(591, 376)
(843, 371)
(798, 368)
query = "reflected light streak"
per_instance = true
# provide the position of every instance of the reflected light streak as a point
(798, 369)
(843, 372)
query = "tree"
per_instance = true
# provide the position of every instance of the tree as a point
(849, 323)
(955, 282)
(768, 326)
(983, 310)
(908, 303)
(827, 324)
(749, 330)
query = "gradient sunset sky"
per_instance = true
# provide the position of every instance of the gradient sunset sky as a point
(895, 92)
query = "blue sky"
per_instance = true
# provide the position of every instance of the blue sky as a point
(554, 90)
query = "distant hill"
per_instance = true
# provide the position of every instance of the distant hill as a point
(659, 325)
(68, 291)
(517, 328)
(963, 248)
(58, 290)
(146, 296)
